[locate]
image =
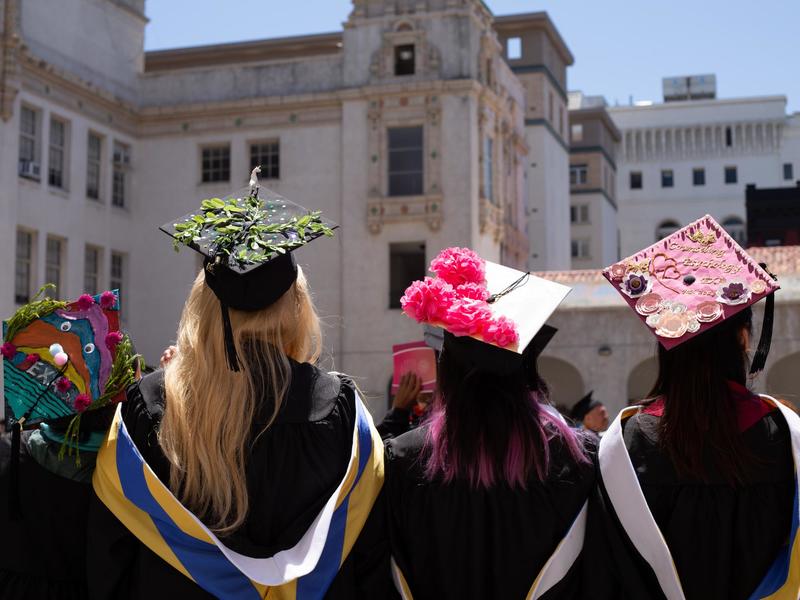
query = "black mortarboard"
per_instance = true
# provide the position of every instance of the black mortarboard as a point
(246, 240)
(583, 407)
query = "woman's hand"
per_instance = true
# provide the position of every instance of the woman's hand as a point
(408, 393)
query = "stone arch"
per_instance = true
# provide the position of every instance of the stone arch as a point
(641, 379)
(782, 378)
(563, 379)
(404, 26)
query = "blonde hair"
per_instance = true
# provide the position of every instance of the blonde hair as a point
(207, 427)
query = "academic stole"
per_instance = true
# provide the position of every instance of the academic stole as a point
(782, 581)
(130, 489)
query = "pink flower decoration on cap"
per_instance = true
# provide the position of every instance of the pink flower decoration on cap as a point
(85, 302)
(108, 300)
(82, 402)
(30, 360)
(427, 301)
(473, 290)
(63, 384)
(501, 331)
(458, 266)
(113, 339)
(8, 350)
(467, 317)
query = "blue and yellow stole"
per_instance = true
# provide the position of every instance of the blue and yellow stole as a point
(782, 581)
(132, 491)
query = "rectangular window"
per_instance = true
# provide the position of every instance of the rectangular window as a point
(636, 180)
(578, 174)
(514, 48)
(406, 264)
(579, 214)
(667, 178)
(116, 279)
(119, 184)
(580, 249)
(57, 153)
(788, 171)
(404, 59)
(93, 166)
(216, 164)
(730, 175)
(728, 137)
(550, 106)
(53, 264)
(23, 267)
(488, 168)
(29, 143)
(576, 132)
(698, 177)
(266, 155)
(91, 270)
(405, 161)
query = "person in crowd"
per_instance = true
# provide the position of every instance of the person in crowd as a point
(590, 414)
(65, 366)
(408, 406)
(698, 485)
(487, 498)
(242, 469)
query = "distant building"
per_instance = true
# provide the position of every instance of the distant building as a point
(594, 237)
(773, 216)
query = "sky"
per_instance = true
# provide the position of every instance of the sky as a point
(622, 48)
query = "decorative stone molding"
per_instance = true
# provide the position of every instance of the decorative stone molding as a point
(490, 220)
(403, 209)
(426, 55)
(9, 63)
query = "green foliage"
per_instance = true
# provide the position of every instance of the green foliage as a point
(39, 307)
(240, 231)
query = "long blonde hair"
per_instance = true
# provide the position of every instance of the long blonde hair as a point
(207, 427)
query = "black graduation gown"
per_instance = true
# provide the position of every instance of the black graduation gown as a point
(292, 469)
(722, 539)
(43, 553)
(455, 541)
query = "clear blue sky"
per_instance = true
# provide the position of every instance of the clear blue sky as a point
(621, 47)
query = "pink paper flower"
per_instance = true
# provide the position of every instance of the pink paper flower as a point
(8, 350)
(475, 291)
(427, 301)
(467, 317)
(108, 300)
(501, 331)
(82, 402)
(63, 384)
(458, 266)
(85, 302)
(30, 360)
(113, 339)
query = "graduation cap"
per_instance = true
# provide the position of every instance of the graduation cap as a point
(61, 360)
(246, 240)
(583, 407)
(493, 316)
(693, 280)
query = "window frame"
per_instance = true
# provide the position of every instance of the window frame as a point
(404, 67)
(56, 265)
(701, 180)
(98, 269)
(94, 167)
(581, 171)
(670, 173)
(581, 249)
(207, 176)
(33, 138)
(788, 171)
(632, 176)
(54, 149)
(394, 152)
(516, 43)
(29, 262)
(397, 249)
(726, 171)
(576, 132)
(487, 190)
(118, 282)
(119, 174)
(259, 158)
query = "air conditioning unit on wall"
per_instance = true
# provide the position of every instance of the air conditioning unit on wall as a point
(30, 169)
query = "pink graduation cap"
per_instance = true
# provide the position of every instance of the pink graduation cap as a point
(692, 281)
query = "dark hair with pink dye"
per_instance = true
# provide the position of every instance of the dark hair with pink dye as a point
(488, 429)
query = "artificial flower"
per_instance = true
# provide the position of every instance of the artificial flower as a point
(82, 402)
(8, 350)
(108, 300)
(475, 291)
(85, 302)
(113, 339)
(458, 266)
(636, 284)
(501, 331)
(427, 301)
(466, 316)
(63, 384)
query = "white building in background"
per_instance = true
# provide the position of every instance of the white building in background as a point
(693, 155)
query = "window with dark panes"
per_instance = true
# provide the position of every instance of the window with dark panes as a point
(91, 270)
(488, 168)
(698, 177)
(55, 164)
(53, 264)
(728, 137)
(667, 178)
(405, 164)
(122, 161)
(216, 164)
(788, 171)
(116, 280)
(28, 143)
(93, 153)
(404, 59)
(731, 176)
(406, 264)
(266, 155)
(636, 180)
(23, 267)
(578, 174)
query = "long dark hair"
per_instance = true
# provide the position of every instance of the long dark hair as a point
(699, 429)
(486, 429)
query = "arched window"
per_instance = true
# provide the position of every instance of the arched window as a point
(735, 228)
(665, 228)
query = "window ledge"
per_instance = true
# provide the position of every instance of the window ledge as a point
(402, 209)
(59, 191)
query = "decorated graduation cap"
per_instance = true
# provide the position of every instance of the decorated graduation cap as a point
(491, 315)
(584, 406)
(692, 281)
(61, 360)
(246, 240)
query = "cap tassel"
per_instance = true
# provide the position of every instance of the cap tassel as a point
(230, 346)
(14, 507)
(765, 341)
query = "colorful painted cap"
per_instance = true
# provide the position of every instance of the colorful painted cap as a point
(690, 281)
(61, 359)
(484, 303)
